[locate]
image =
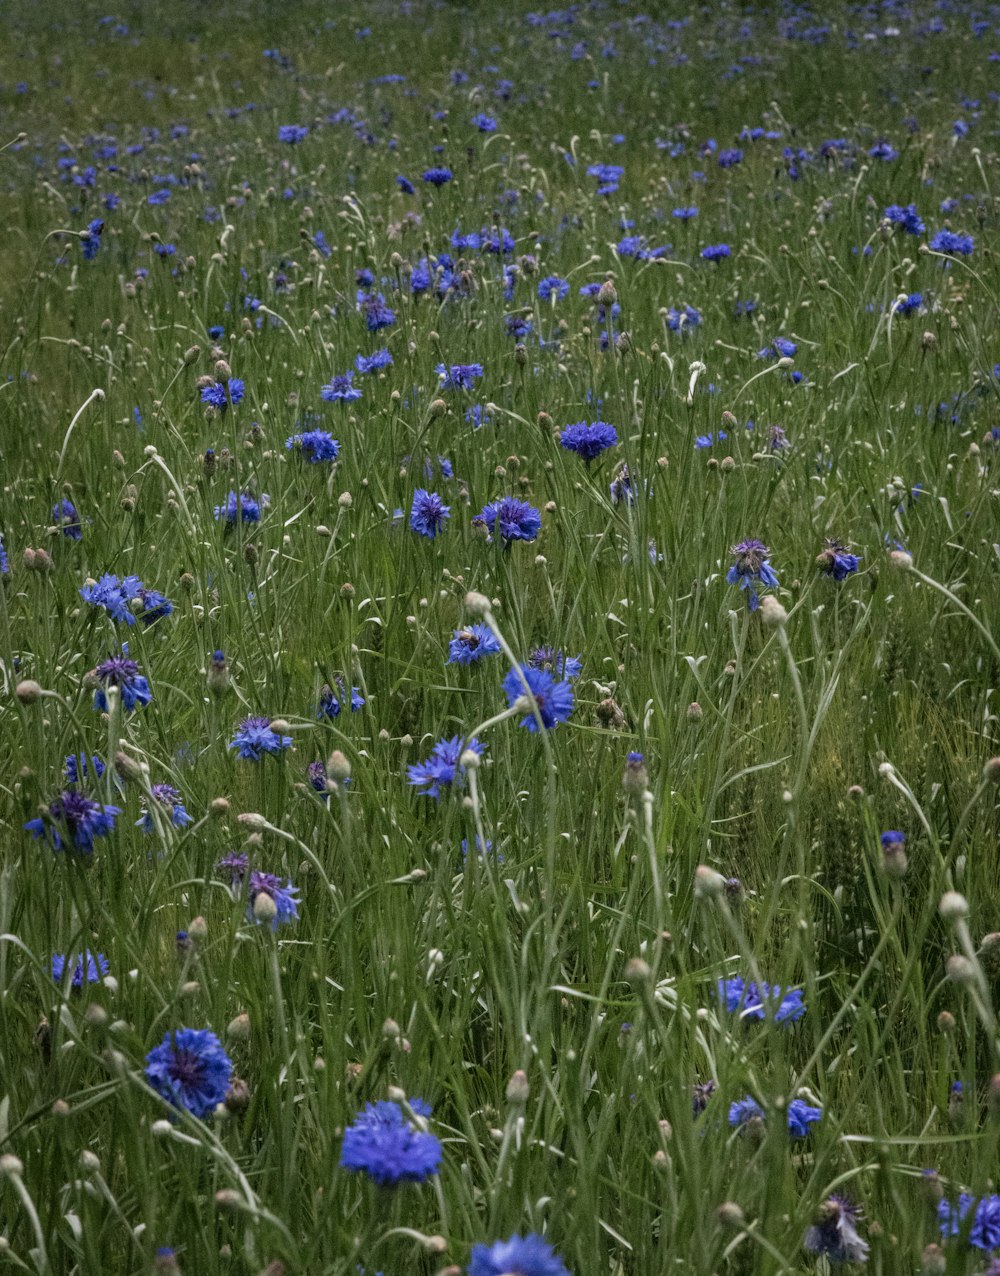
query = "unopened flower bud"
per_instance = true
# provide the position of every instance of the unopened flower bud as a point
(959, 969)
(223, 372)
(438, 407)
(694, 712)
(946, 1021)
(237, 1098)
(953, 906)
(518, 1089)
(607, 295)
(933, 1261)
(338, 766)
(708, 884)
(265, 910)
(636, 778)
(477, 604)
(991, 771)
(901, 560)
(772, 613)
(729, 1214)
(28, 692)
(637, 972)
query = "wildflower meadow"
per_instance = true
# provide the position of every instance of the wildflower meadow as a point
(499, 638)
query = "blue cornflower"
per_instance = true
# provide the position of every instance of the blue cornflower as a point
(985, 1232)
(90, 239)
(87, 967)
(553, 287)
(909, 304)
(78, 766)
(883, 151)
(472, 644)
(459, 376)
(284, 898)
(729, 158)
(744, 1111)
(220, 395)
(715, 252)
(169, 801)
(752, 1001)
(65, 516)
(835, 561)
(437, 176)
(588, 441)
(4, 560)
(485, 123)
(254, 738)
(121, 672)
(340, 390)
(517, 326)
(554, 700)
(404, 184)
(682, 320)
(834, 1233)
(241, 507)
(892, 837)
(73, 820)
(154, 605)
(907, 217)
(751, 566)
(428, 514)
(292, 133)
(113, 595)
(190, 1069)
(373, 362)
(510, 519)
(234, 865)
(516, 1256)
(331, 699)
(159, 197)
(555, 662)
(378, 314)
(315, 445)
(947, 241)
(780, 348)
(389, 1147)
(442, 769)
(685, 214)
(800, 1117)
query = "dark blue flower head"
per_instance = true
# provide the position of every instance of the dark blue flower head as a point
(191, 1070)
(588, 441)
(459, 376)
(78, 766)
(437, 176)
(292, 133)
(472, 644)
(113, 595)
(233, 865)
(73, 821)
(554, 699)
(428, 513)
(715, 252)
(835, 561)
(947, 241)
(169, 801)
(892, 837)
(154, 605)
(800, 1117)
(87, 967)
(331, 699)
(552, 288)
(516, 1256)
(121, 672)
(753, 1001)
(510, 520)
(443, 768)
(65, 516)
(90, 239)
(389, 1147)
(284, 897)
(377, 312)
(485, 123)
(751, 567)
(254, 737)
(340, 390)
(373, 362)
(834, 1233)
(315, 445)
(985, 1231)
(241, 507)
(220, 395)
(908, 218)
(746, 1112)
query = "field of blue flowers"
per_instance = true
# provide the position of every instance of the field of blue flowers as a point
(499, 639)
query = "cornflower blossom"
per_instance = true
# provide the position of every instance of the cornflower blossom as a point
(221, 395)
(510, 520)
(389, 1147)
(554, 700)
(170, 802)
(292, 133)
(254, 737)
(66, 518)
(332, 699)
(87, 967)
(529, 1255)
(985, 1231)
(366, 364)
(428, 514)
(715, 252)
(553, 288)
(588, 441)
(339, 389)
(241, 507)
(114, 595)
(443, 769)
(284, 897)
(437, 176)
(315, 446)
(121, 672)
(947, 241)
(834, 1233)
(191, 1070)
(459, 376)
(835, 561)
(72, 821)
(472, 644)
(753, 1001)
(555, 662)
(750, 568)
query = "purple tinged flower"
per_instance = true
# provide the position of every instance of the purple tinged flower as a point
(121, 672)
(404, 184)
(836, 562)
(554, 700)
(373, 362)
(753, 1001)
(331, 699)
(66, 518)
(485, 123)
(428, 514)
(191, 1070)
(233, 865)
(510, 520)
(292, 133)
(389, 1147)
(254, 737)
(555, 662)
(529, 1255)
(78, 766)
(158, 197)
(800, 1117)
(284, 898)
(169, 801)
(834, 1233)
(746, 1112)
(154, 605)
(90, 239)
(87, 967)
(113, 595)
(588, 441)
(73, 821)
(339, 389)
(891, 838)
(437, 176)
(883, 151)
(443, 768)
(908, 218)
(378, 314)
(751, 566)
(985, 1231)
(471, 644)
(553, 288)
(315, 445)
(459, 376)
(241, 507)
(220, 395)
(947, 241)
(715, 252)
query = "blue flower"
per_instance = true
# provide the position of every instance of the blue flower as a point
(800, 1117)
(113, 595)
(90, 239)
(428, 513)
(555, 662)
(685, 214)
(284, 898)
(373, 362)
(682, 320)
(472, 644)
(241, 507)
(883, 151)
(780, 348)
(437, 176)
(947, 241)
(121, 672)
(404, 184)
(529, 1255)
(744, 1111)
(459, 376)
(753, 1001)
(169, 800)
(588, 441)
(510, 519)
(331, 699)
(77, 766)
(985, 1232)
(220, 395)
(751, 566)
(315, 445)
(292, 133)
(254, 738)
(73, 820)
(834, 1233)
(154, 605)
(907, 217)
(191, 1070)
(908, 305)
(159, 197)
(65, 516)
(835, 561)
(87, 967)
(715, 252)
(485, 123)
(892, 837)
(729, 158)
(340, 390)
(553, 287)
(389, 1147)
(378, 314)
(442, 769)
(553, 699)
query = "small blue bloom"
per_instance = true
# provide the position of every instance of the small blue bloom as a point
(529, 1255)
(459, 376)
(331, 699)
(985, 1231)
(284, 898)
(254, 737)
(292, 133)
(836, 562)
(751, 567)
(510, 520)
(315, 445)
(485, 123)
(220, 395)
(241, 507)
(191, 1070)
(715, 252)
(472, 644)
(373, 362)
(387, 1146)
(442, 769)
(121, 672)
(65, 516)
(340, 390)
(437, 176)
(428, 514)
(78, 767)
(834, 1233)
(947, 241)
(555, 662)
(169, 801)
(73, 820)
(554, 700)
(87, 967)
(589, 441)
(554, 288)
